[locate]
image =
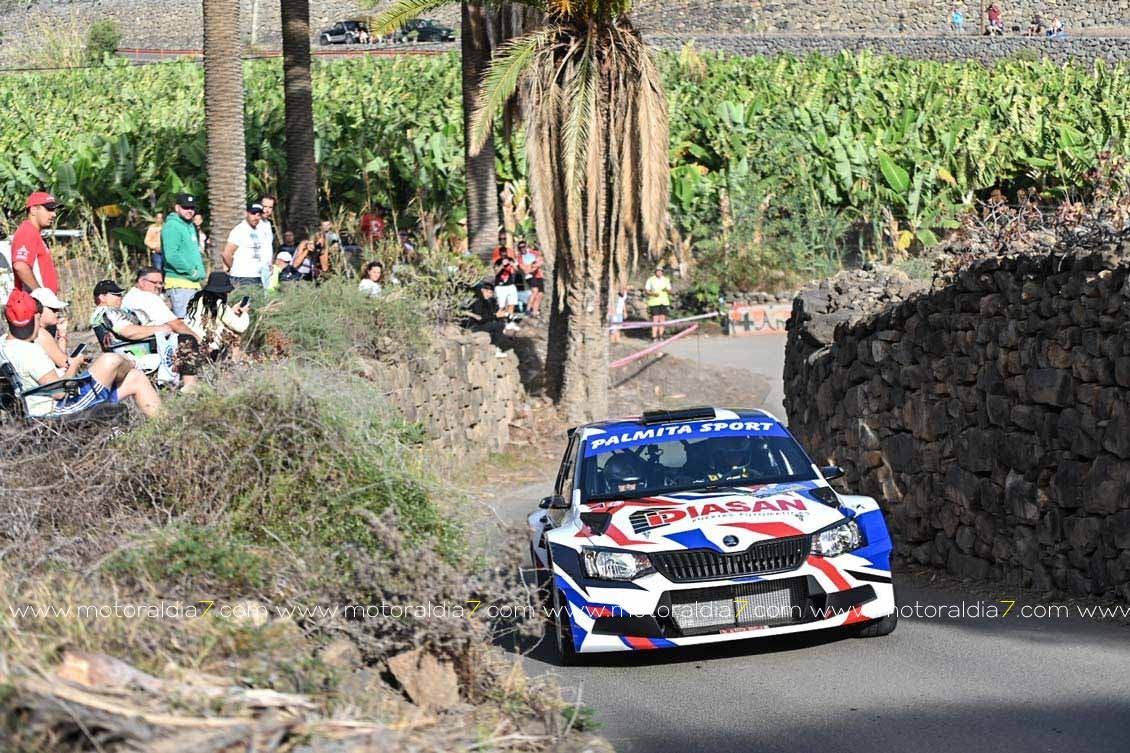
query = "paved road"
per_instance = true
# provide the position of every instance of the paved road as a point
(761, 354)
(962, 684)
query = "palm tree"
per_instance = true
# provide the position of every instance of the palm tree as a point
(596, 147)
(301, 170)
(223, 119)
(482, 181)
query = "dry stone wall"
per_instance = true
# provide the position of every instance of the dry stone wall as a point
(991, 416)
(913, 46)
(459, 390)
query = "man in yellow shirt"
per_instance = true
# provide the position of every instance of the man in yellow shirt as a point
(658, 288)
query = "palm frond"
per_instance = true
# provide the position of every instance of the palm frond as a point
(580, 97)
(401, 12)
(502, 78)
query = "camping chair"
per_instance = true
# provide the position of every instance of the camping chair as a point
(143, 352)
(14, 406)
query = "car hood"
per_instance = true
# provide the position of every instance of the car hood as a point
(729, 518)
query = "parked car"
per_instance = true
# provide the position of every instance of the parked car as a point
(697, 526)
(425, 30)
(343, 32)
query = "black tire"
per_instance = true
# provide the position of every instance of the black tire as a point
(324, 40)
(541, 578)
(563, 631)
(880, 627)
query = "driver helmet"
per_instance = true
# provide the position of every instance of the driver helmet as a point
(731, 452)
(623, 472)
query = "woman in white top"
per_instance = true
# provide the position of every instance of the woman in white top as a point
(218, 324)
(372, 279)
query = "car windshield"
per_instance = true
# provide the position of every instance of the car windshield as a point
(677, 465)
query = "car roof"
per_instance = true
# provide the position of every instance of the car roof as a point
(657, 418)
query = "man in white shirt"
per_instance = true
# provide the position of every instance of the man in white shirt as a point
(244, 255)
(109, 378)
(144, 306)
(145, 300)
(266, 230)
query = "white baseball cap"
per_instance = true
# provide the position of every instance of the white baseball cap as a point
(48, 298)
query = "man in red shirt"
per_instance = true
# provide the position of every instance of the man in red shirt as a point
(372, 226)
(31, 259)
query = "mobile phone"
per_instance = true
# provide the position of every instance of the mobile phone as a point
(78, 351)
(243, 303)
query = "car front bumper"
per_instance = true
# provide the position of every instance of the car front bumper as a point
(653, 612)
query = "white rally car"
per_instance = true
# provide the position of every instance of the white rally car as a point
(688, 527)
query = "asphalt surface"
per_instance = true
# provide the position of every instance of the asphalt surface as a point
(958, 683)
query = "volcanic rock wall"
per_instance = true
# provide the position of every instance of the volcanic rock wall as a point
(990, 416)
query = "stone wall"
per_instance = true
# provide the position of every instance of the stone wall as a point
(991, 416)
(751, 27)
(166, 24)
(463, 394)
(921, 47)
(885, 16)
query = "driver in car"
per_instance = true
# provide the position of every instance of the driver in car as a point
(623, 472)
(732, 458)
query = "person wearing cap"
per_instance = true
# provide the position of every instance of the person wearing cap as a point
(52, 335)
(109, 378)
(483, 315)
(123, 326)
(658, 288)
(32, 263)
(244, 252)
(184, 264)
(217, 324)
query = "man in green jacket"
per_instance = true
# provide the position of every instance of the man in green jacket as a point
(184, 267)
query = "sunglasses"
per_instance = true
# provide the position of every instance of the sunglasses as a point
(50, 207)
(158, 283)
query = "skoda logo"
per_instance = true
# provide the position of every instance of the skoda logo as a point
(730, 541)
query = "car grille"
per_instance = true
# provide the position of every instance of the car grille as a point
(770, 603)
(764, 557)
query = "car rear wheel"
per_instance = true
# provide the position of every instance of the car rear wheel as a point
(880, 627)
(563, 630)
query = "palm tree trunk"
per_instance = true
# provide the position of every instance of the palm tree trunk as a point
(301, 170)
(576, 369)
(223, 117)
(482, 183)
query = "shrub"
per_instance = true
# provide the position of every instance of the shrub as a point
(102, 40)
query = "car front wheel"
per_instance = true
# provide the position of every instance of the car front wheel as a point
(880, 627)
(563, 630)
(323, 40)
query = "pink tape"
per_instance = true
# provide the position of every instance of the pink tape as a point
(651, 349)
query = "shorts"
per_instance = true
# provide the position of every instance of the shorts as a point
(658, 310)
(536, 283)
(507, 295)
(90, 394)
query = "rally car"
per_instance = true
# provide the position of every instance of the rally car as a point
(682, 528)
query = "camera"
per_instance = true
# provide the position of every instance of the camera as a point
(318, 245)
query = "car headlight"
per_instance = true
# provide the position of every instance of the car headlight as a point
(614, 564)
(837, 540)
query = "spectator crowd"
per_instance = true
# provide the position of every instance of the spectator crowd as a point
(174, 318)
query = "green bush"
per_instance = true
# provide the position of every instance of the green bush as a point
(301, 455)
(198, 554)
(102, 40)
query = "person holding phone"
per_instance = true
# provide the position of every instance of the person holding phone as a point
(214, 321)
(52, 335)
(109, 378)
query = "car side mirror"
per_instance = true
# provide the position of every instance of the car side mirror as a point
(831, 472)
(555, 502)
